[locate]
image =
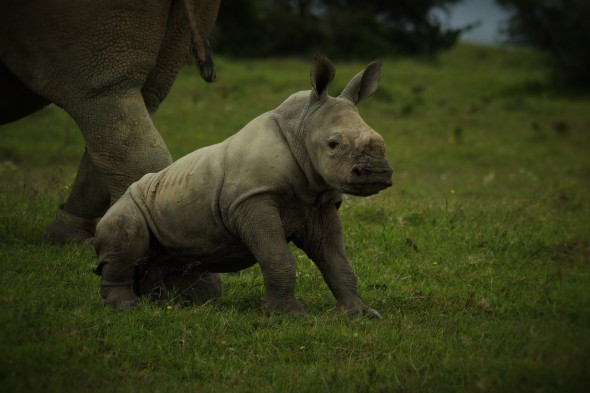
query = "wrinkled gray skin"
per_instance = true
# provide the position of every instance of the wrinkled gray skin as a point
(227, 206)
(109, 64)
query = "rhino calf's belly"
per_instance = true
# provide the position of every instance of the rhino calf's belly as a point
(224, 258)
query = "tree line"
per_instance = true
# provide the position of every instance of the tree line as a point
(349, 29)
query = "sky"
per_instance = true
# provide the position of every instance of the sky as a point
(487, 12)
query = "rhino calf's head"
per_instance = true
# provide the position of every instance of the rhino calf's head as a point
(346, 153)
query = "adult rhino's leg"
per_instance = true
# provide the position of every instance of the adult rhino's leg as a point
(121, 140)
(88, 201)
(122, 145)
(171, 57)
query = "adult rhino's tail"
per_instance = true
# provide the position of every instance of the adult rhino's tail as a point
(201, 15)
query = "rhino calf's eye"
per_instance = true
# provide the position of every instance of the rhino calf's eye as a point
(332, 144)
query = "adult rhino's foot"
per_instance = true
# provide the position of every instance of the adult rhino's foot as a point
(68, 228)
(120, 297)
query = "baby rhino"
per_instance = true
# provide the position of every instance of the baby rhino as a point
(225, 207)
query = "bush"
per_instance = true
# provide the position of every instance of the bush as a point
(557, 27)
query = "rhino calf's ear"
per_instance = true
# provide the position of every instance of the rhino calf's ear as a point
(321, 74)
(363, 84)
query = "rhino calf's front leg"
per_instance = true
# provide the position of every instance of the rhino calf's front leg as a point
(261, 230)
(323, 241)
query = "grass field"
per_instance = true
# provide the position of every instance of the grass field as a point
(478, 258)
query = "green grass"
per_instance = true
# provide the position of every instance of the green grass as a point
(478, 258)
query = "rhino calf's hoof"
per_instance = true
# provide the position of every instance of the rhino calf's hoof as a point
(373, 314)
(366, 312)
(283, 307)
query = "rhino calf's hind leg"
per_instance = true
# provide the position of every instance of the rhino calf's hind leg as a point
(193, 286)
(121, 242)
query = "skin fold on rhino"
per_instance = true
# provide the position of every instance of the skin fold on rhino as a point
(227, 206)
(108, 64)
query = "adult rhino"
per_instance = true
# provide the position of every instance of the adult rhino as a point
(227, 206)
(108, 64)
